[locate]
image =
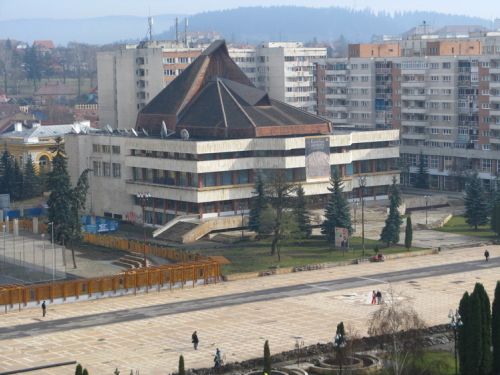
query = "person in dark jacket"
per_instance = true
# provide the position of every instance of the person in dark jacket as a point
(195, 340)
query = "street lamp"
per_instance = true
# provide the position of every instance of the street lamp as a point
(53, 251)
(242, 225)
(455, 324)
(362, 185)
(340, 344)
(427, 198)
(356, 204)
(144, 199)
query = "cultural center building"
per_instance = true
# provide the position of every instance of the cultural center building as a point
(198, 146)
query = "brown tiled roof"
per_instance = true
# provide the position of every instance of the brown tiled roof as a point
(49, 44)
(213, 98)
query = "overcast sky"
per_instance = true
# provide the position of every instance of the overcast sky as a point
(15, 9)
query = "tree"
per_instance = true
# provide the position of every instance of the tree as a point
(340, 344)
(85, 372)
(182, 371)
(495, 330)
(31, 181)
(279, 194)
(337, 213)
(79, 369)
(7, 173)
(257, 205)
(495, 218)
(303, 218)
(476, 206)
(32, 65)
(399, 328)
(408, 233)
(17, 187)
(267, 359)
(422, 178)
(474, 338)
(390, 232)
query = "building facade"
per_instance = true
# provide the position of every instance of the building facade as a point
(443, 95)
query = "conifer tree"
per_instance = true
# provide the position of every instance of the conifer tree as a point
(390, 232)
(476, 205)
(257, 205)
(182, 371)
(408, 233)
(422, 178)
(463, 335)
(485, 307)
(267, 359)
(495, 330)
(6, 173)
(31, 181)
(337, 213)
(17, 187)
(79, 369)
(303, 218)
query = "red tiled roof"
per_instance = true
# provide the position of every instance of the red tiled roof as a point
(49, 44)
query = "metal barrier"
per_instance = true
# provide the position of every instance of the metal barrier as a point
(150, 277)
(124, 244)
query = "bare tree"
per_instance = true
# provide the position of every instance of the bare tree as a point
(399, 329)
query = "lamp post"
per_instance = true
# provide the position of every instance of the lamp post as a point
(144, 199)
(242, 225)
(53, 251)
(362, 185)
(356, 204)
(455, 324)
(427, 198)
(340, 344)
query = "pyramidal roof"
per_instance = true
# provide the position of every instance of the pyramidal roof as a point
(213, 98)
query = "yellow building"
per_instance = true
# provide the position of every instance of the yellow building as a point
(37, 141)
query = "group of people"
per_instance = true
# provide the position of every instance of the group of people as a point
(218, 362)
(376, 297)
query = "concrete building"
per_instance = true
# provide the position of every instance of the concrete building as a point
(130, 77)
(209, 133)
(443, 94)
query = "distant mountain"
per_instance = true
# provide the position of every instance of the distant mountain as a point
(99, 30)
(288, 23)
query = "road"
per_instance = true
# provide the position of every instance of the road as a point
(228, 300)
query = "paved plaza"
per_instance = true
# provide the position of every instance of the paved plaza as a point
(149, 332)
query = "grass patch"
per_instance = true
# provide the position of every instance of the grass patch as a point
(432, 362)
(255, 256)
(458, 225)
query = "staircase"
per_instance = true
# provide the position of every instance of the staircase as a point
(130, 261)
(177, 231)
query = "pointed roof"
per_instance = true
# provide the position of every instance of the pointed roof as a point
(213, 98)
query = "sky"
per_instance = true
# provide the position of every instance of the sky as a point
(28, 9)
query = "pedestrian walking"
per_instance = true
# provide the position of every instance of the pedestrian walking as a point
(195, 340)
(44, 308)
(379, 297)
(374, 298)
(486, 254)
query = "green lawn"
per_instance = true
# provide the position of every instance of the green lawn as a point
(255, 256)
(458, 225)
(432, 362)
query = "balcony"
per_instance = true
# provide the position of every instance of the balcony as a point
(414, 123)
(420, 110)
(416, 136)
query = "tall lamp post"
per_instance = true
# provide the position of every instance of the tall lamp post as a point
(144, 200)
(355, 206)
(53, 251)
(242, 225)
(427, 198)
(340, 344)
(455, 324)
(362, 185)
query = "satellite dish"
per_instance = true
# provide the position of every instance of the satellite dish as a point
(109, 129)
(145, 132)
(184, 134)
(134, 132)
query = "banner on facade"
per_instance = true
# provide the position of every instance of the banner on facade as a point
(341, 237)
(317, 158)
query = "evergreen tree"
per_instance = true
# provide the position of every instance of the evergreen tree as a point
(486, 359)
(7, 180)
(17, 187)
(257, 205)
(337, 213)
(463, 335)
(422, 178)
(182, 371)
(495, 330)
(303, 218)
(390, 232)
(31, 181)
(267, 359)
(85, 372)
(408, 233)
(476, 205)
(79, 369)
(33, 65)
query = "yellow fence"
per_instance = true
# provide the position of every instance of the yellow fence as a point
(135, 246)
(149, 278)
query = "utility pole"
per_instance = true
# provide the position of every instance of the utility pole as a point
(362, 185)
(144, 199)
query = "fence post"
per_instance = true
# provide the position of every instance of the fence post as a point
(35, 225)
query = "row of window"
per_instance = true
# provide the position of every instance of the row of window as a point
(105, 149)
(105, 169)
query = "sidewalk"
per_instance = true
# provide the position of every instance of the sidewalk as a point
(152, 344)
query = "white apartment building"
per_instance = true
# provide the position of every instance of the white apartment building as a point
(245, 58)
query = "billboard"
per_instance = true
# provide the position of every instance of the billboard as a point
(341, 237)
(317, 158)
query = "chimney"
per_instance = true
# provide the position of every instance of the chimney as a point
(18, 127)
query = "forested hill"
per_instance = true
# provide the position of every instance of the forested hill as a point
(287, 23)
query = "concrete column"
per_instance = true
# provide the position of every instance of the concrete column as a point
(35, 225)
(15, 229)
(1, 215)
(6, 222)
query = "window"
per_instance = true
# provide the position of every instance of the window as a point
(106, 149)
(96, 148)
(115, 149)
(117, 170)
(485, 165)
(447, 131)
(446, 65)
(227, 178)
(434, 131)
(106, 169)
(96, 165)
(434, 162)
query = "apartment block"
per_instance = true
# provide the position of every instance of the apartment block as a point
(443, 95)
